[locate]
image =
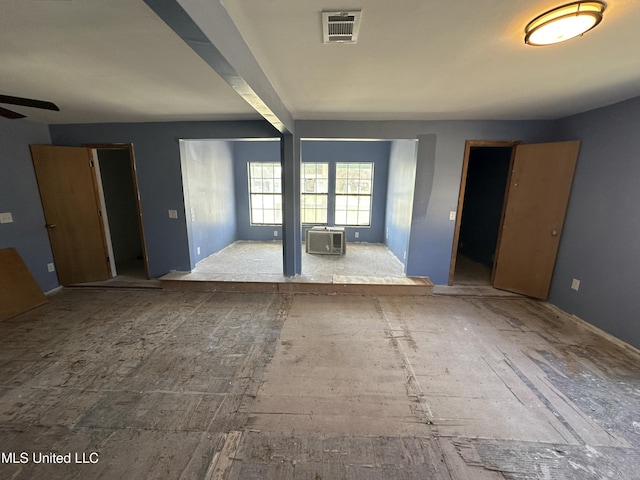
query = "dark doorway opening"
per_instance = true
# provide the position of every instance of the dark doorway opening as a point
(120, 190)
(483, 187)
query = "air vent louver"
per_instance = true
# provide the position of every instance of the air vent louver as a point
(340, 27)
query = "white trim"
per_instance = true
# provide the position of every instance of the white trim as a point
(53, 291)
(583, 323)
(103, 208)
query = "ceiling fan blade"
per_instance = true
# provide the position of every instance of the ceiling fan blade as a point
(9, 114)
(28, 102)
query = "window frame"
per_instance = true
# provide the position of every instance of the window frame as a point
(274, 194)
(324, 194)
(357, 194)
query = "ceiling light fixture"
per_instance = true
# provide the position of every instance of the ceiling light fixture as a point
(563, 23)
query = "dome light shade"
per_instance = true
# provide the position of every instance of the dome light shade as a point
(564, 23)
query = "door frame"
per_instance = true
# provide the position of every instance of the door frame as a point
(132, 161)
(469, 144)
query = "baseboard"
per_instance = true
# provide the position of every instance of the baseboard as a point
(598, 331)
(53, 291)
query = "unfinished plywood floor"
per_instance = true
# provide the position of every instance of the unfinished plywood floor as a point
(269, 386)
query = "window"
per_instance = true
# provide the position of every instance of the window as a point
(265, 193)
(314, 185)
(354, 188)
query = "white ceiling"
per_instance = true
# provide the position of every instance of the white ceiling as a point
(116, 61)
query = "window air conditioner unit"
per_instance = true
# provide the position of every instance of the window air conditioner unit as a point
(326, 241)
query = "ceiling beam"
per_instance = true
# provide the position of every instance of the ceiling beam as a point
(209, 30)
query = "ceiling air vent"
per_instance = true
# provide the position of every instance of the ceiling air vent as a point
(340, 27)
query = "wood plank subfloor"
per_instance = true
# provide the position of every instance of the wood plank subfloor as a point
(150, 381)
(156, 384)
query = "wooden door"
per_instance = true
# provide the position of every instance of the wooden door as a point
(70, 200)
(537, 196)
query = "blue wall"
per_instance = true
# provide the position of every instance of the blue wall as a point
(439, 166)
(400, 188)
(439, 163)
(600, 239)
(245, 152)
(333, 152)
(157, 155)
(19, 195)
(207, 171)
(600, 243)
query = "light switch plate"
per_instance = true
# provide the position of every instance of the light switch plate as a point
(452, 215)
(575, 284)
(6, 217)
(173, 214)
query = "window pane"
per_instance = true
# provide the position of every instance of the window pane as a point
(256, 216)
(322, 185)
(309, 170)
(256, 185)
(341, 218)
(267, 185)
(256, 202)
(269, 216)
(309, 186)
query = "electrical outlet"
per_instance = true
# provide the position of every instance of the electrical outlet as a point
(452, 215)
(357, 234)
(51, 267)
(6, 217)
(575, 284)
(275, 233)
(173, 214)
(197, 250)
